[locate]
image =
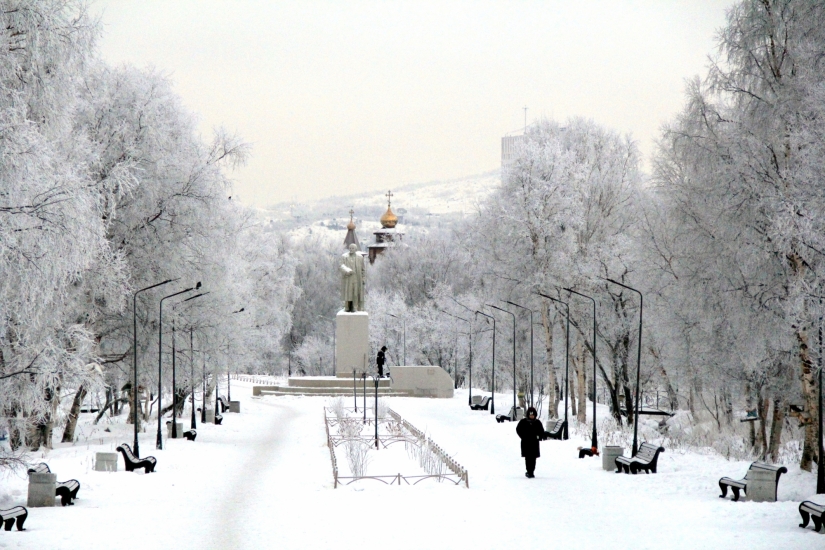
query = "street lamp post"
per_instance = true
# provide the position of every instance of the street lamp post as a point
(820, 463)
(135, 402)
(228, 383)
(531, 345)
(638, 364)
(375, 379)
(493, 382)
(566, 360)
(514, 355)
(594, 442)
(159, 441)
(404, 321)
(174, 371)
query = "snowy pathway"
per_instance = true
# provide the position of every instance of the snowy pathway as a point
(263, 480)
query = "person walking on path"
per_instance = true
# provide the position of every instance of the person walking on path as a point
(530, 431)
(380, 361)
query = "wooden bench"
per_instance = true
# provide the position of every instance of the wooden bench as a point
(812, 511)
(482, 405)
(742, 484)
(67, 491)
(646, 459)
(41, 468)
(132, 462)
(190, 434)
(555, 429)
(8, 517)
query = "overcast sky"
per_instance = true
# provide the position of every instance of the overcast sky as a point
(340, 97)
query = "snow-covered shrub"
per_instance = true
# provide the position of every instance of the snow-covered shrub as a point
(357, 456)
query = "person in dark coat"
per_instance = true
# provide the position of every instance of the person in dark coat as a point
(380, 361)
(531, 432)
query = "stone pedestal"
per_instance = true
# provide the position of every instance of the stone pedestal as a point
(761, 486)
(234, 406)
(41, 490)
(352, 343)
(423, 381)
(105, 462)
(210, 415)
(179, 430)
(609, 455)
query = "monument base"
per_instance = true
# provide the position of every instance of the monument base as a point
(422, 381)
(352, 343)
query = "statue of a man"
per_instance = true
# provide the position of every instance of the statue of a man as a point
(353, 279)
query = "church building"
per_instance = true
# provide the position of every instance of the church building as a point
(388, 236)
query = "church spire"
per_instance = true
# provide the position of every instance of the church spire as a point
(351, 237)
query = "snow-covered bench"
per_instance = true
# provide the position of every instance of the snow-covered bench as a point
(190, 434)
(646, 459)
(224, 405)
(67, 491)
(812, 511)
(41, 468)
(742, 484)
(555, 428)
(132, 462)
(516, 413)
(8, 517)
(482, 405)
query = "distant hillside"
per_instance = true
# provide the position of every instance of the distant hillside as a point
(417, 205)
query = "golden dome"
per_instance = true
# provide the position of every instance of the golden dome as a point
(388, 220)
(351, 225)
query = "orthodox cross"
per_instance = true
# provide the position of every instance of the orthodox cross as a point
(389, 198)
(351, 212)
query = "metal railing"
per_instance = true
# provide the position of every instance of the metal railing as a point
(401, 431)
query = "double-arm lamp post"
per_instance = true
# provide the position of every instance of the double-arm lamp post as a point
(594, 441)
(159, 441)
(174, 370)
(514, 354)
(228, 383)
(135, 402)
(566, 360)
(638, 363)
(470, 370)
(531, 345)
(493, 378)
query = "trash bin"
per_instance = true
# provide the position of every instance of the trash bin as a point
(105, 462)
(169, 429)
(761, 486)
(234, 406)
(41, 490)
(609, 455)
(210, 415)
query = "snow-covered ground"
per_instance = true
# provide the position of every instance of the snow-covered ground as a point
(263, 480)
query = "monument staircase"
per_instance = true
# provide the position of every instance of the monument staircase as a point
(330, 385)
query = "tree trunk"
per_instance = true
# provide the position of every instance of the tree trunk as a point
(671, 394)
(74, 414)
(571, 392)
(777, 421)
(809, 393)
(582, 384)
(762, 436)
(547, 324)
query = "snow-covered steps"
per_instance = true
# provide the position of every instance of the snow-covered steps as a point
(328, 385)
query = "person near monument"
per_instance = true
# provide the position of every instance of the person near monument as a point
(380, 360)
(353, 279)
(530, 431)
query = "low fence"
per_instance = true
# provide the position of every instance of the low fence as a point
(257, 379)
(401, 431)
